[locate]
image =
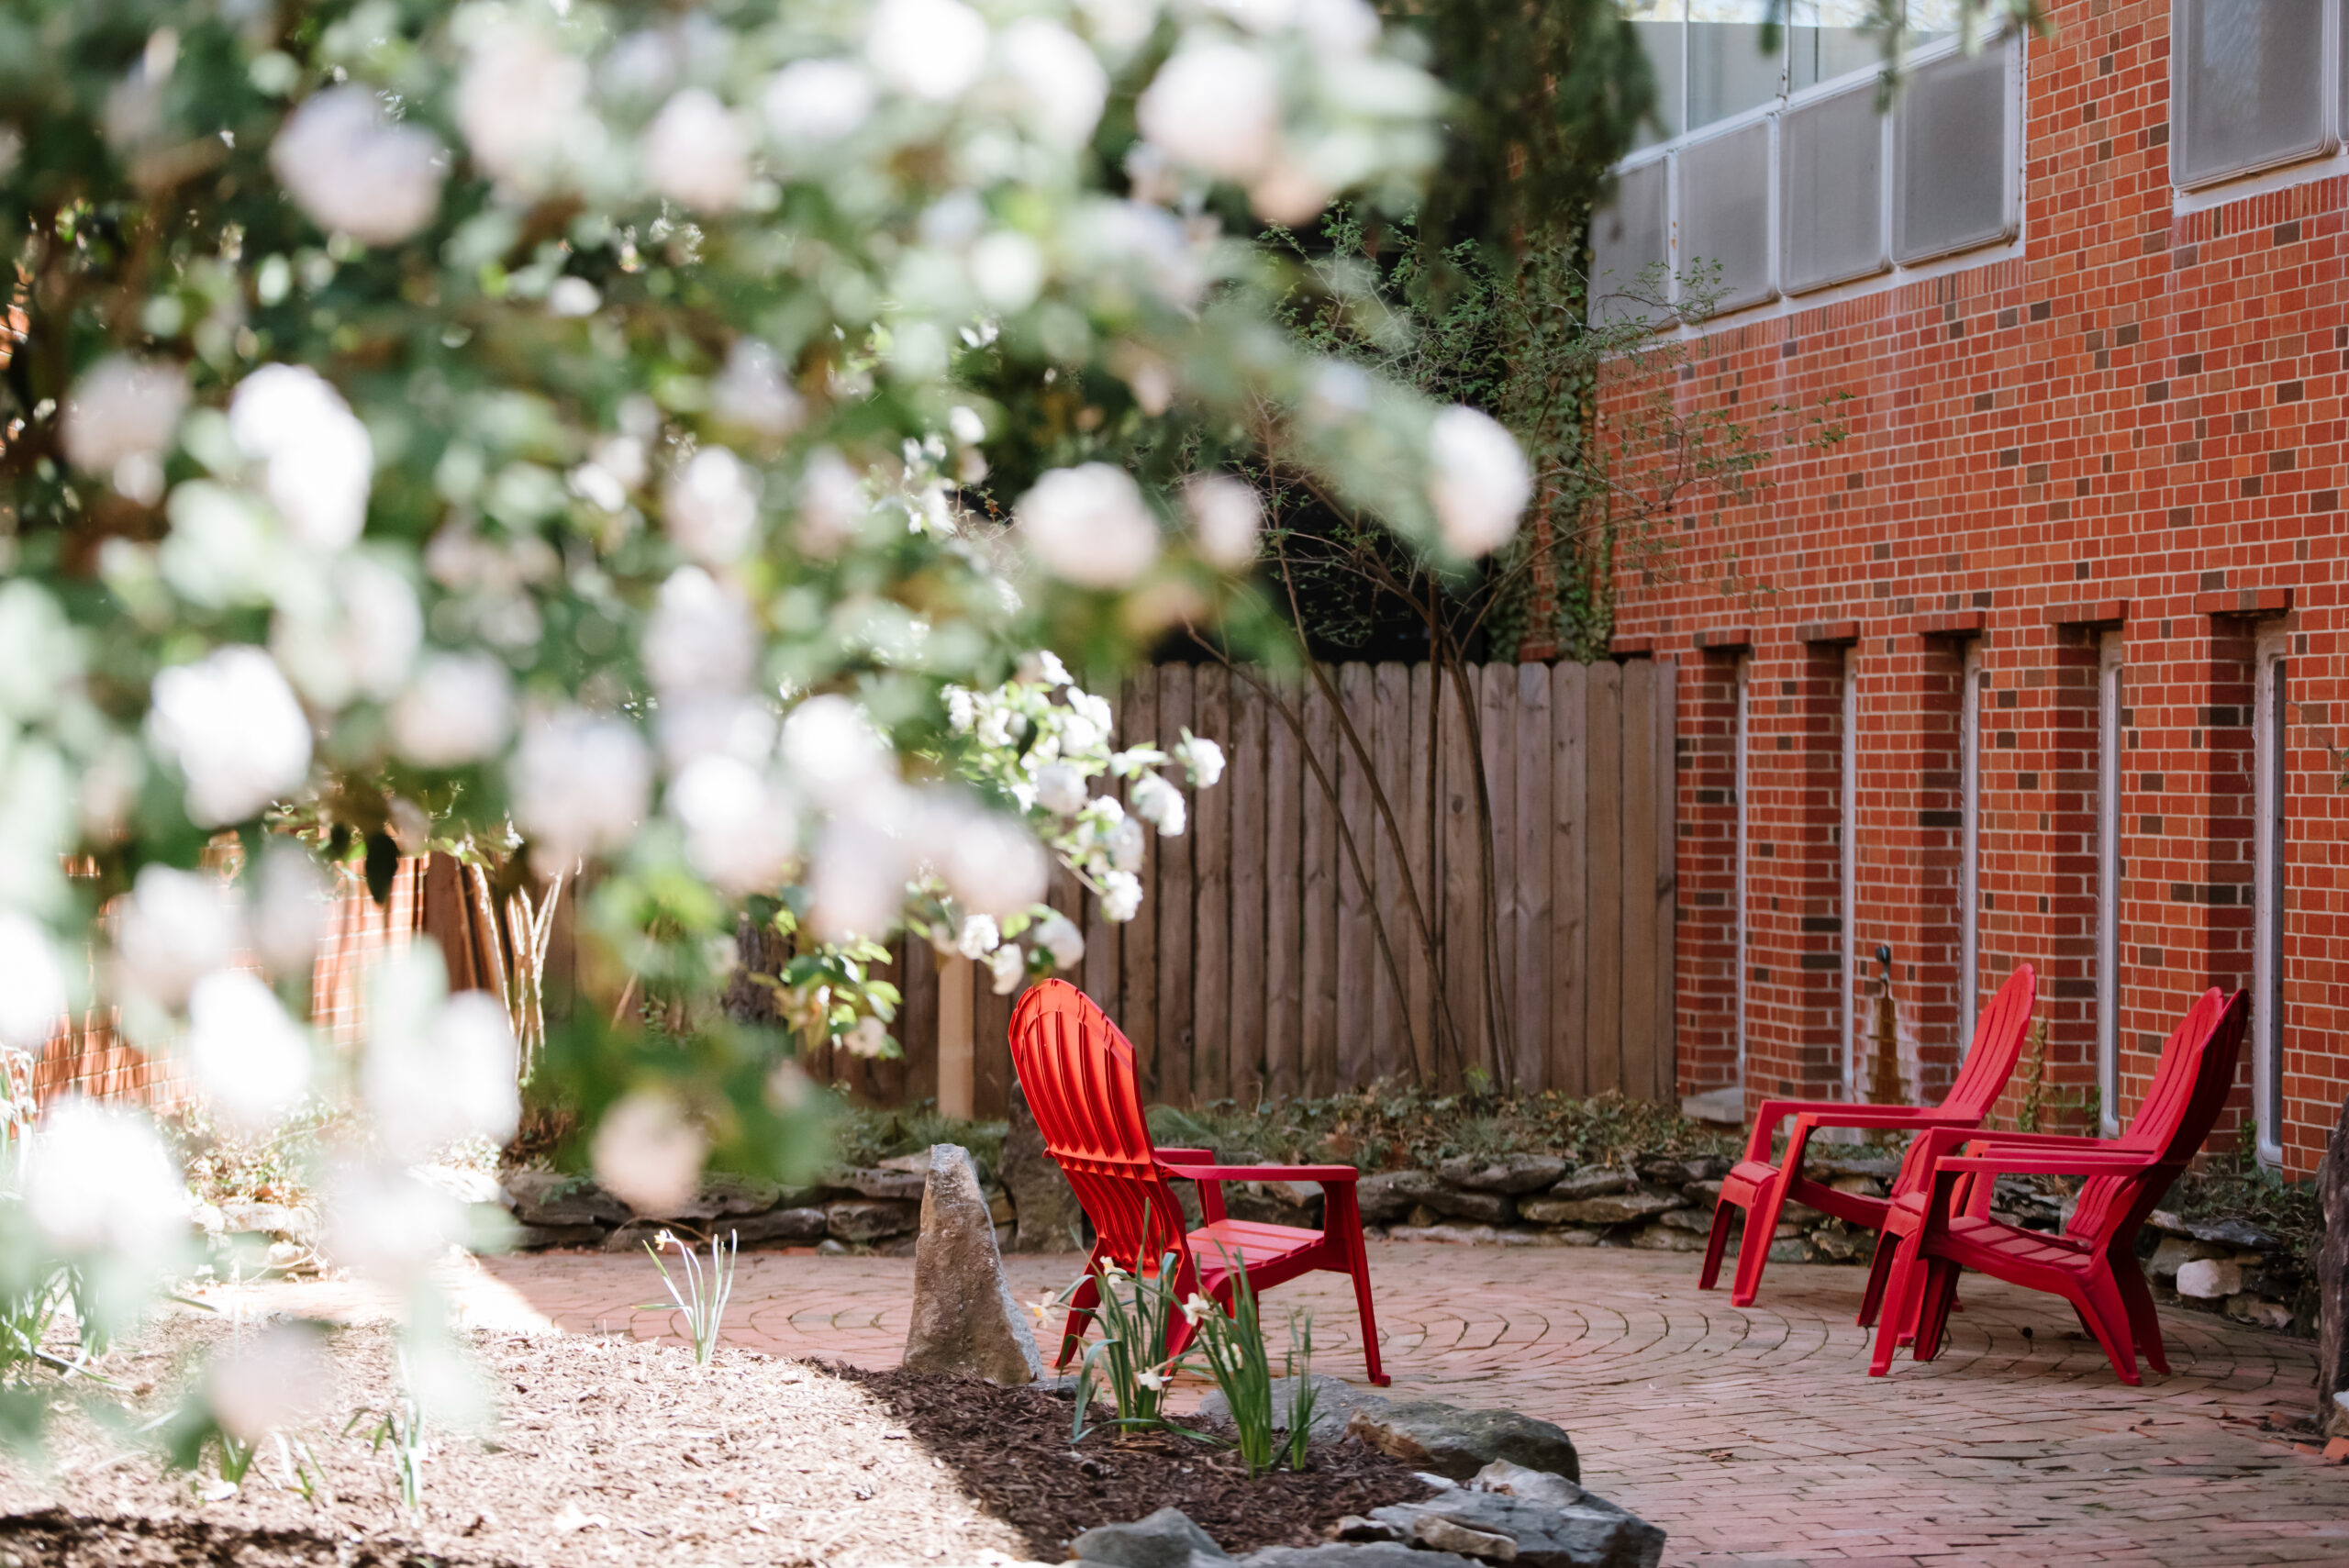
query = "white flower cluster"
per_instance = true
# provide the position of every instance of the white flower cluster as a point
(1042, 741)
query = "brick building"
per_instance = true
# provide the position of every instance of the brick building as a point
(2040, 662)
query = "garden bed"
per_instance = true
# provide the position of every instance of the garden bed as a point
(1010, 1448)
(606, 1449)
(602, 1450)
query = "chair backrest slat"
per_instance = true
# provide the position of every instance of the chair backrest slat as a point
(1998, 1044)
(1077, 1071)
(2191, 1082)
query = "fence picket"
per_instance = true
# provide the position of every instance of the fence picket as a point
(1527, 870)
(1138, 945)
(1211, 895)
(1317, 1014)
(1639, 880)
(1356, 946)
(1283, 888)
(1390, 1023)
(1603, 870)
(1245, 777)
(1464, 925)
(1175, 907)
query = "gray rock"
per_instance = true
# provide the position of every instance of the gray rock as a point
(1699, 1220)
(1533, 1486)
(1383, 1197)
(1617, 1208)
(1818, 1162)
(1671, 1170)
(1587, 1532)
(1274, 1202)
(1455, 1443)
(965, 1319)
(537, 1238)
(1511, 1173)
(2234, 1234)
(1440, 1534)
(721, 1197)
(918, 1164)
(1049, 1217)
(1334, 1404)
(1592, 1181)
(787, 1225)
(1571, 1236)
(1487, 1209)
(1342, 1554)
(868, 1220)
(1167, 1539)
(1449, 1235)
(2208, 1279)
(548, 1198)
(903, 1186)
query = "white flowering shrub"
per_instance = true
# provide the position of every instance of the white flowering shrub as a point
(566, 433)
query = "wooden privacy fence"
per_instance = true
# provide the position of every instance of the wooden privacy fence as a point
(1277, 951)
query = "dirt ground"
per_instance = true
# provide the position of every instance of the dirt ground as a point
(603, 1450)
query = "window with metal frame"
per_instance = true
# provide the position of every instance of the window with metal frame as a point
(2270, 737)
(1849, 870)
(1969, 865)
(1952, 127)
(2247, 86)
(2109, 742)
(1830, 198)
(1628, 248)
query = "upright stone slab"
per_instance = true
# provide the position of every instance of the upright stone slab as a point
(1045, 1208)
(965, 1319)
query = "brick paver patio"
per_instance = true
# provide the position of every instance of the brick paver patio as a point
(1753, 1437)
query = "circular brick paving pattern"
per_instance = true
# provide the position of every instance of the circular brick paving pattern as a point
(1755, 1436)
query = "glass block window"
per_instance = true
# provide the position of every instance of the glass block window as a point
(2246, 86)
(1831, 158)
(1627, 240)
(1955, 156)
(1725, 239)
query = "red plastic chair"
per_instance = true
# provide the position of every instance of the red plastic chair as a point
(1077, 1072)
(1762, 1188)
(2093, 1264)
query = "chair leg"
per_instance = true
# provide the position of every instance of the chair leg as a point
(1342, 1222)
(2107, 1312)
(1898, 1306)
(1879, 1275)
(1753, 1253)
(1933, 1302)
(1716, 1243)
(1080, 1316)
(2144, 1322)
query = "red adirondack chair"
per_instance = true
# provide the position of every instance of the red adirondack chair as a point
(1077, 1071)
(1943, 1225)
(1762, 1188)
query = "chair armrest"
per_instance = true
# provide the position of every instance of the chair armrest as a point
(1842, 1112)
(1187, 1156)
(1325, 1174)
(2040, 1141)
(2079, 1162)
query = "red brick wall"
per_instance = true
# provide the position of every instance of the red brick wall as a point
(2144, 408)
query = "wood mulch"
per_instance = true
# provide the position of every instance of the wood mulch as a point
(1008, 1448)
(53, 1538)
